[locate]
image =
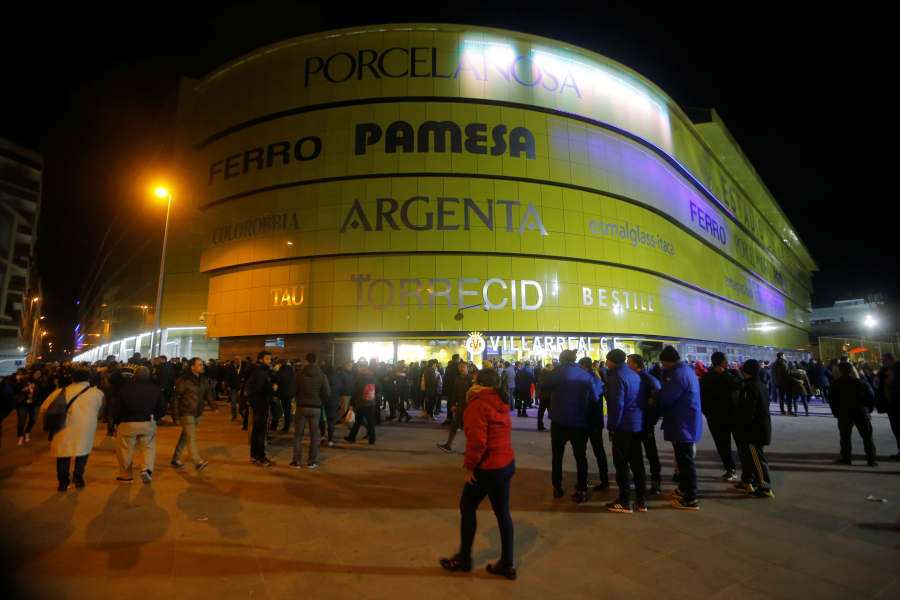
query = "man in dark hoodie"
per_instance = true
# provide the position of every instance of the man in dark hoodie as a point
(310, 388)
(363, 399)
(851, 402)
(719, 390)
(752, 431)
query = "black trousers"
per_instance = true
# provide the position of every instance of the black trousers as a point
(4, 412)
(495, 484)
(26, 416)
(627, 457)
(754, 466)
(595, 435)
(721, 434)
(784, 396)
(403, 401)
(286, 411)
(258, 432)
(560, 435)
(331, 411)
(648, 439)
(544, 407)
(893, 416)
(687, 471)
(62, 469)
(368, 413)
(244, 410)
(864, 427)
(523, 399)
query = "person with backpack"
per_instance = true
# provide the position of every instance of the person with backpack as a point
(76, 437)
(363, 399)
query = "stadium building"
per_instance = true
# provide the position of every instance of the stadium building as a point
(411, 191)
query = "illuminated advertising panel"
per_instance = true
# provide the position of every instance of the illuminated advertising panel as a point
(370, 181)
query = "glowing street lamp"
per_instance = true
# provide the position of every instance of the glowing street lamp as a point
(870, 321)
(161, 192)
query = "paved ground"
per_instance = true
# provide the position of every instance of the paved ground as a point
(372, 522)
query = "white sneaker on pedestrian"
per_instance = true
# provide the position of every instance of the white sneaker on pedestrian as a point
(312, 466)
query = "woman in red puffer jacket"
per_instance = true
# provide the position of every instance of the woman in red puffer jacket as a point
(490, 464)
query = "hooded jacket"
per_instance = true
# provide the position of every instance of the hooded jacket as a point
(310, 387)
(488, 431)
(850, 398)
(649, 414)
(364, 377)
(622, 387)
(680, 398)
(719, 394)
(571, 389)
(752, 423)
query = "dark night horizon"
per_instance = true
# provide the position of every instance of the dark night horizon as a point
(96, 95)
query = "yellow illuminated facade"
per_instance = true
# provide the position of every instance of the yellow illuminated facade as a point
(400, 186)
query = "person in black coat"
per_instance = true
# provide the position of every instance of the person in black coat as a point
(719, 391)
(524, 380)
(284, 377)
(260, 388)
(753, 431)
(851, 402)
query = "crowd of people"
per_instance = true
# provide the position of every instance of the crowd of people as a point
(622, 395)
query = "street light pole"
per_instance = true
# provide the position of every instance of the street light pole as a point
(159, 287)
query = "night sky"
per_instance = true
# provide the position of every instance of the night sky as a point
(93, 90)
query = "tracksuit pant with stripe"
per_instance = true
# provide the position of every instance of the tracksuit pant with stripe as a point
(754, 467)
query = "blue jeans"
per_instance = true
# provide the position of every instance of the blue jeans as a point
(495, 484)
(188, 438)
(303, 417)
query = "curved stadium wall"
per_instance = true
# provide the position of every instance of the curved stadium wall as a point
(418, 182)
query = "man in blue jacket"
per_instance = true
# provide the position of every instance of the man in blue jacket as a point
(571, 390)
(682, 422)
(624, 423)
(649, 418)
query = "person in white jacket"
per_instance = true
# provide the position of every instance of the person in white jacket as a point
(77, 437)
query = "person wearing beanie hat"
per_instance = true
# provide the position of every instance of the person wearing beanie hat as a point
(752, 431)
(624, 423)
(719, 389)
(616, 356)
(679, 397)
(669, 354)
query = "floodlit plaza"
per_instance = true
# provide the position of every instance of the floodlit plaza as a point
(373, 521)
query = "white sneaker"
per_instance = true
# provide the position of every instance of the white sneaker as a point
(313, 466)
(21, 441)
